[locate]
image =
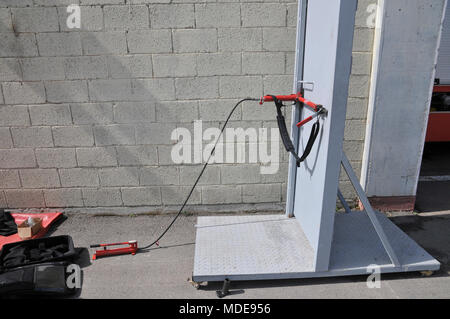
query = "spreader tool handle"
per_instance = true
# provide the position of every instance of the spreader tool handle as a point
(282, 98)
(291, 98)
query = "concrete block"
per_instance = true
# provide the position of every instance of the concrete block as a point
(36, 69)
(240, 86)
(150, 41)
(15, 3)
(278, 83)
(177, 111)
(213, 15)
(56, 157)
(110, 90)
(23, 92)
(96, 157)
(79, 177)
(263, 15)
(141, 155)
(197, 88)
(99, 43)
(355, 130)
(120, 176)
(165, 155)
(5, 138)
(130, 66)
(36, 19)
(362, 63)
(128, 17)
(357, 108)
(29, 198)
(132, 90)
(176, 195)
(156, 176)
(218, 110)
(240, 39)
(91, 18)
(354, 149)
(359, 86)
(51, 3)
(174, 65)
(134, 112)
(100, 2)
(67, 91)
(240, 174)
(39, 178)
(363, 40)
(290, 63)
(280, 177)
(114, 135)
(366, 13)
(10, 69)
(85, 67)
(153, 89)
(102, 197)
(141, 196)
(73, 136)
(9, 179)
(213, 64)
(261, 193)
(195, 40)
(215, 195)
(22, 45)
(3, 203)
(17, 158)
(172, 16)
(59, 44)
(32, 137)
(5, 17)
(154, 134)
(292, 11)
(279, 39)
(62, 198)
(263, 63)
(16, 115)
(50, 114)
(189, 174)
(253, 111)
(92, 113)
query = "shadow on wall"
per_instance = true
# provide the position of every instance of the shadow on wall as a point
(110, 121)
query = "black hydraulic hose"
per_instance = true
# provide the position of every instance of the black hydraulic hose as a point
(200, 176)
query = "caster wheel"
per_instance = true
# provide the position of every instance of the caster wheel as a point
(197, 285)
(427, 273)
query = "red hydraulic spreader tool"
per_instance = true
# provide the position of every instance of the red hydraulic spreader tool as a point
(317, 108)
(131, 249)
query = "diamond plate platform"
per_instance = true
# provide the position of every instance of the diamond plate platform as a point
(270, 247)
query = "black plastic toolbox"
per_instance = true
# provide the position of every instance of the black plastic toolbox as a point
(66, 253)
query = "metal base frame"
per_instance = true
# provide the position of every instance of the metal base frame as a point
(270, 247)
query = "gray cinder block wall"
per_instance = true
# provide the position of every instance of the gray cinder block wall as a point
(86, 115)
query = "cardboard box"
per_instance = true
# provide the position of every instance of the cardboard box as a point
(26, 232)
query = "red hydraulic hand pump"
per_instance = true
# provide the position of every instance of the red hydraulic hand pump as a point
(131, 249)
(317, 108)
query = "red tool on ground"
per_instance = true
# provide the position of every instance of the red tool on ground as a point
(131, 249)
